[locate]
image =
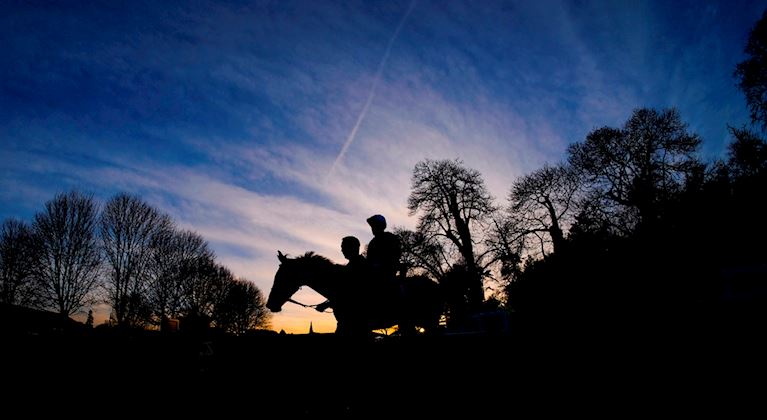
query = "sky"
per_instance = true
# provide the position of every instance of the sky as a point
(283, 125)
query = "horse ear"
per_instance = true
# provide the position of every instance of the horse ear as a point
(281, 256)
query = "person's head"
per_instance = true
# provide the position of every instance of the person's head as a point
(350, 246)
(377, 223)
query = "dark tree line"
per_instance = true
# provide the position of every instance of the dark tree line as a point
(127, 254)
(632, 226)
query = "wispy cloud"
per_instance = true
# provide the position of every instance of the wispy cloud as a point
(372, 92)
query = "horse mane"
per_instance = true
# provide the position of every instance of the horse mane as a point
(312, 258)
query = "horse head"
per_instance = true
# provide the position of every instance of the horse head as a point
(307, 270)
(286, 283)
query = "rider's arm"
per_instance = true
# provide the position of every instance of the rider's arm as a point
(323, 306)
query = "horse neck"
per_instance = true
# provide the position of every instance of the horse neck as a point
(319, 280)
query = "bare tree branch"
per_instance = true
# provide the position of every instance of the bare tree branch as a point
(637, 167)
(451, 199)
(17, 263)
(68, 261)
(129, 226)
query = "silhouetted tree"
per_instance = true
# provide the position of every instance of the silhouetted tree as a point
(752, 72)
(741, 197)
(506, 241)
(17, 262)
(68, 262)
(203, 283)
(172, 251)
(453, 203)
(128, 228)
(422, 254)
(544, 203)
(219, 284)
(242, 308)
(631, 172)
(747, 154)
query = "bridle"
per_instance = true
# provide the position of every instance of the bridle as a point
(302, 304)
(297, 302)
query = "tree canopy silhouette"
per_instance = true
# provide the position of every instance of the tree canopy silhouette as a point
(421, 253)
(544, 203)
(752, 72)
(172, 253)
(128, 227)
(68, 259)
(747, 154)
(630, 172)
(452, 203)
(17, 263)
(241, 308)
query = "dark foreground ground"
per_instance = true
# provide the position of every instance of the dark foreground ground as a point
(320, 376)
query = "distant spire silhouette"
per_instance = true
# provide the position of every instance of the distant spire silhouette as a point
(311, 330)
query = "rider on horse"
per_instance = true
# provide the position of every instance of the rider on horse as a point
(371, 288)
(384, 249)
(357, 270)
(383, 255)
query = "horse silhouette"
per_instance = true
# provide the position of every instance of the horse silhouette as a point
(358, 308)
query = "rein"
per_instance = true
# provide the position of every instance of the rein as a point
(307, 306)
(302, 304)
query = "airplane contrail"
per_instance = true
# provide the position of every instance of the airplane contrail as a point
(372, 93)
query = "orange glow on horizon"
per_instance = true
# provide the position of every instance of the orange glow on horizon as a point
(292, 320)
(300, 325)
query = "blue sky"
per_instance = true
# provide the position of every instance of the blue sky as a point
(231, 116)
